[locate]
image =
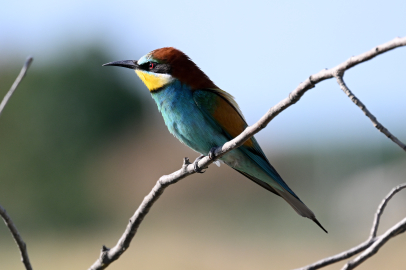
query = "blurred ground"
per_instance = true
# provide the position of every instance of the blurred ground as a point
(185, 249)
(79, 151)
(220, 220)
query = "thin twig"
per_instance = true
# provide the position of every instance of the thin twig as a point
(375, 122)
(371, 245)
(381, 208)
(16, 83)
(3, 213)
(109, 255)
(17, 237)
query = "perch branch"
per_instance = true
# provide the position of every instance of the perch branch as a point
(3, 213)
(107, 256)
(370, 246)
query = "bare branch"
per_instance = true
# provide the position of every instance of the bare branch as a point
(16, 83)
(381, 208)
(370, 246)
(17, 237)
(3, 213)
(375, 122)
(399, 228)
(109, 255)
(339, 257)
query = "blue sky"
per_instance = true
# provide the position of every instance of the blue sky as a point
(258, 51)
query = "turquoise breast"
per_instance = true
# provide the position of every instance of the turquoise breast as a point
(184, 119)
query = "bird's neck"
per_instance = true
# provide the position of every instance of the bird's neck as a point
(170, 94)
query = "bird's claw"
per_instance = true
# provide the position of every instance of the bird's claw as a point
(196, 166)
(212, 153)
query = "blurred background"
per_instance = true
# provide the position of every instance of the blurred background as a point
(81, 144)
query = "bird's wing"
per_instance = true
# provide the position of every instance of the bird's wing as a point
(220, 108)
(222, 111)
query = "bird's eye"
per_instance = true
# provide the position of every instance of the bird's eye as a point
(151, 65)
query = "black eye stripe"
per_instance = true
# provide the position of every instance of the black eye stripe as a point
(156, 67)
(144, 66)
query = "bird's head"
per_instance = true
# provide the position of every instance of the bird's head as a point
(162, 66)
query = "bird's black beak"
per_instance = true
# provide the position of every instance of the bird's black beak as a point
(131, 64)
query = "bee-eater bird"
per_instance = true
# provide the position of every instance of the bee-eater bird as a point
(203, 117)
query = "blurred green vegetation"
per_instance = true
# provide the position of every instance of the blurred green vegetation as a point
(58, 118)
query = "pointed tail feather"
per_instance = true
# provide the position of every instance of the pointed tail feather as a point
(300, 207)
(296, 203)
(318, 223)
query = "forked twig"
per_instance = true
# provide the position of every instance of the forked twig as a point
(371, 245)
(379, 241)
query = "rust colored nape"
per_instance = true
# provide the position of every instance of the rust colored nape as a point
(182, 68)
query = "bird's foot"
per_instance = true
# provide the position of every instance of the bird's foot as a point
(196, 166)
(212, 153)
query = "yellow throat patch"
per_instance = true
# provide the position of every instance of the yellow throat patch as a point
(153, 80)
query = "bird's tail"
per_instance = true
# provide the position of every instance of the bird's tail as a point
(299, 207)
(293, 201)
